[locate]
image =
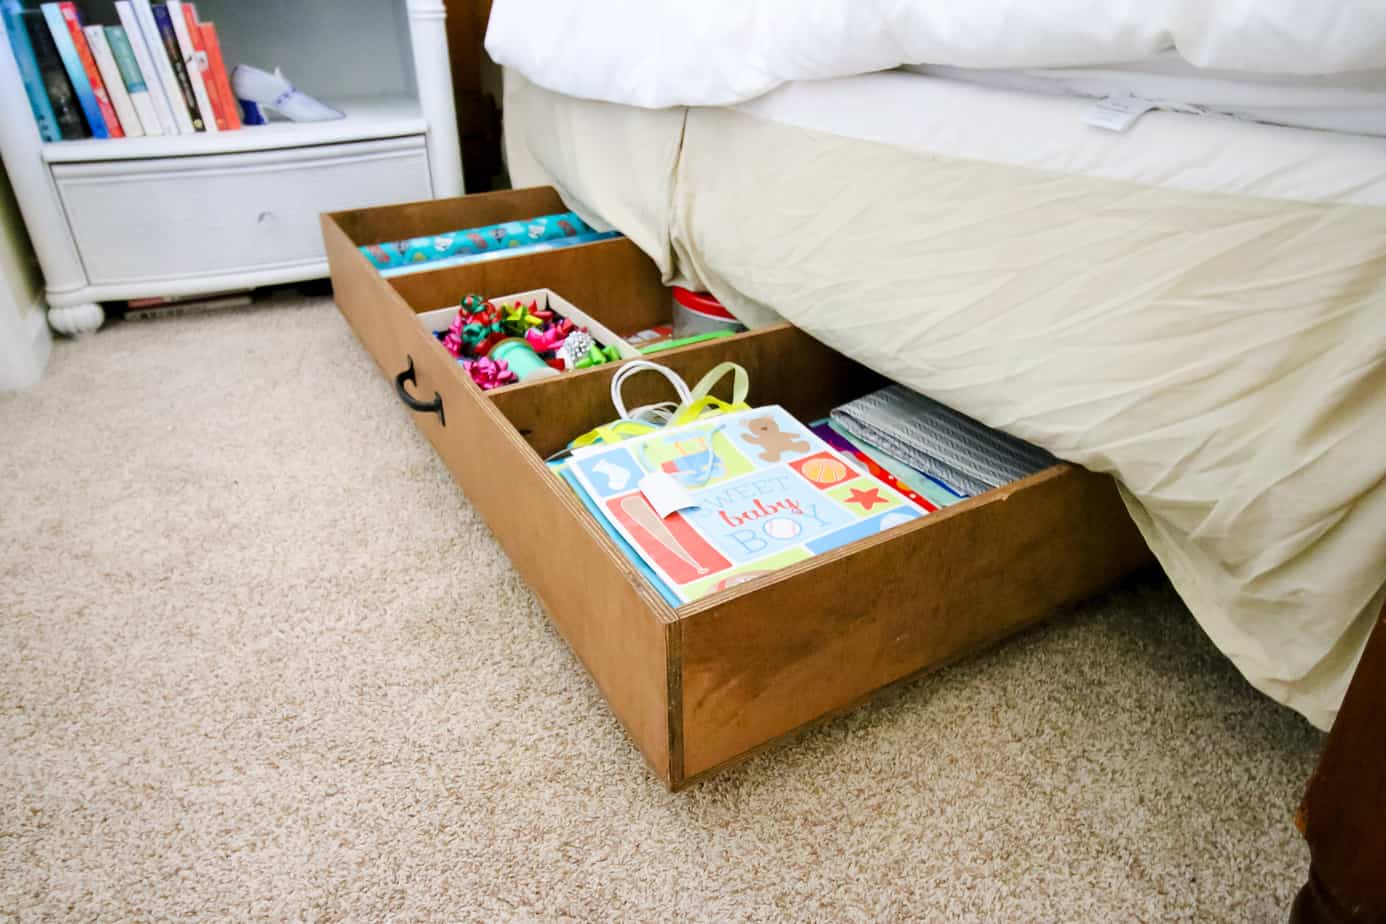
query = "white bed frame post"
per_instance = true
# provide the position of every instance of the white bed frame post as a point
(433, 72)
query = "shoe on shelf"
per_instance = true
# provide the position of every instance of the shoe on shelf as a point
(255, 88)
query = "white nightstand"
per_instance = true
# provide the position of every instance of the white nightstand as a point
(188, 214)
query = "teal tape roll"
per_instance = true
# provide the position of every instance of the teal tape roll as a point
(521, 358)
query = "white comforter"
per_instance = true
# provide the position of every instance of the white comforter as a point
(658, 53)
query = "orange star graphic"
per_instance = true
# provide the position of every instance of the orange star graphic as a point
(867, 499)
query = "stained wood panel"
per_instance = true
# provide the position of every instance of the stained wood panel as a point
(608, 615)
(356, 288)
(434, 216)
(786, 367)
(840, 626)
(1343, 816)
(612, 280)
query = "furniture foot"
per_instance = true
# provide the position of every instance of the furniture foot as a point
(1343, 816)
(76, 319)
(1314, 906)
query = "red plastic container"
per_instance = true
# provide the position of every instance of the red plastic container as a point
(700, 313)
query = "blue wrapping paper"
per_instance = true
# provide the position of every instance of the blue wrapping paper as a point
(474, 241)
(459, 259)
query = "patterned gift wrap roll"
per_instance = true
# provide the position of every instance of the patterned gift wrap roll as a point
(491, 238)
(458, 259)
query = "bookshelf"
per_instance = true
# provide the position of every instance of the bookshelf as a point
(367, 118)
(188, 214)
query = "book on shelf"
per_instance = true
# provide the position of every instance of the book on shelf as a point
(76, 71)
(168, 38)
(135, 79)
(72, 19)
(216, 67)
(141, 12)
(193, 62)
(158, 71)
(202, 63)
(66, 107)
(170, 305)
(115, 82)
(29, 73)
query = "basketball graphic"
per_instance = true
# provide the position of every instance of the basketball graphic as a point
(823, 470)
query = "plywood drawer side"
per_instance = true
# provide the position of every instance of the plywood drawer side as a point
(611, 620)
(839, 627)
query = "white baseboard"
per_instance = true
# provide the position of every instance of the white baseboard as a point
(24, 354)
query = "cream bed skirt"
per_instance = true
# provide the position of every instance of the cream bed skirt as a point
(1224, 356)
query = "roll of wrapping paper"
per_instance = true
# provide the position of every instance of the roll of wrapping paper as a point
(468, 241)
(461, 258)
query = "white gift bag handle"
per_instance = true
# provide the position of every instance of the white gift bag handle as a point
(656, 414)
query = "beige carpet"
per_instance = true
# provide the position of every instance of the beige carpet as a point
(260, 661)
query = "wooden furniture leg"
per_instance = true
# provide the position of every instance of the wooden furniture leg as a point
(478, 119)
(1343, 815)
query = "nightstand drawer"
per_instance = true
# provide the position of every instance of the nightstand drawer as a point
(196, 217)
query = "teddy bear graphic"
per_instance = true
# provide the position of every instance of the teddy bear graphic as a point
(773, 442)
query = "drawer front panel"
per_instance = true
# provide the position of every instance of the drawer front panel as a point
(189, 217)
(829, 632)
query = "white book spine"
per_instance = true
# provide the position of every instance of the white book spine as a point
(115, 84)
(158, 99)
(195, 63)
(149, 117)
(149, 30)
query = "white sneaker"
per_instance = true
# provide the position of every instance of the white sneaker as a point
(254, 87)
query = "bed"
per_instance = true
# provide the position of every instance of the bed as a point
(1196, 305)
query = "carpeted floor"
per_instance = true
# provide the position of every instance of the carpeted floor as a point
(259, 660)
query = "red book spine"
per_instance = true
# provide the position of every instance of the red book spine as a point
(216, 71)
(98, 88)
(201, 62)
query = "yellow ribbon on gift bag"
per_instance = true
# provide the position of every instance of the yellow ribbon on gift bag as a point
(696, 403)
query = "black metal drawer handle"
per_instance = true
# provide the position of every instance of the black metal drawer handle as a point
(414, 404)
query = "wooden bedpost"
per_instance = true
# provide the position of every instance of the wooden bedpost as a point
(1343, 815)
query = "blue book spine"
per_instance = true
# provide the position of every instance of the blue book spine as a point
(75, 71)
(29, 71)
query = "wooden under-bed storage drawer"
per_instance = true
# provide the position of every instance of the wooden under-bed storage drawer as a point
(707, 683)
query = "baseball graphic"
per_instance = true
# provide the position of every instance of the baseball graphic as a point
(782, 528)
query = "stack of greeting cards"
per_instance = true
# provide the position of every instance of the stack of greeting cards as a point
(706, 506)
